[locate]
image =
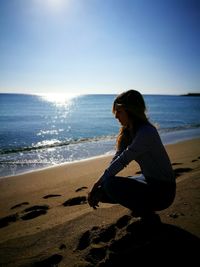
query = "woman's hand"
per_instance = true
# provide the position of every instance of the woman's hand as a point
(93, 196)
(93, 200)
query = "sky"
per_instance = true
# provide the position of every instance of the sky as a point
(99, 46)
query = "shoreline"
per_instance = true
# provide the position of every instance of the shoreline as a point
(167, 139)
(45, 218)
(63, 164)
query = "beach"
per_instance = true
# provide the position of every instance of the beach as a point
(45, 219)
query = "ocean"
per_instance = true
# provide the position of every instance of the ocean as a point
(38, 131)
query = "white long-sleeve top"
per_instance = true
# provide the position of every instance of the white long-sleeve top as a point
(149, 152)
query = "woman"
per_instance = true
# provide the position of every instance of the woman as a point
(138, 140)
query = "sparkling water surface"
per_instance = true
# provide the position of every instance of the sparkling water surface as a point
(43, 130)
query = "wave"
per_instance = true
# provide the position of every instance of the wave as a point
(54, 143)
(47, 144)
(179, 128)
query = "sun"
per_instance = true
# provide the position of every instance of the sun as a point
(53, 5)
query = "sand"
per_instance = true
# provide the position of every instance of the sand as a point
(45, 219)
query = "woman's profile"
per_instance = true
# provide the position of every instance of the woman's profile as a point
(138, 140)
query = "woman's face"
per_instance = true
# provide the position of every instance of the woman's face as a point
(122, 116)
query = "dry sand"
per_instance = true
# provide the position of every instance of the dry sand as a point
(45, 219)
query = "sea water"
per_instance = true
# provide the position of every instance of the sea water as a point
(38, 131)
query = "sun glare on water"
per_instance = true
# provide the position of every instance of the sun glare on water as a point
(59, 99)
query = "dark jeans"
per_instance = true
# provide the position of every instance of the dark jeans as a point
(140, 197)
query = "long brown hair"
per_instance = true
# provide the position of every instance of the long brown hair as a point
(133, 102)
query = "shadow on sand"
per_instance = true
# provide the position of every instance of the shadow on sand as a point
(127, 243)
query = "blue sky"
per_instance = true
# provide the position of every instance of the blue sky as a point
(100, 46)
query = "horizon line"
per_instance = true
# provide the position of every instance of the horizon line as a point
(81, 94)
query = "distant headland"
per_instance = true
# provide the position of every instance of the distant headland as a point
(191, 94)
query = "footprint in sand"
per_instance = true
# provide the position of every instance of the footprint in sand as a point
(75, 201)
(81, 188)
(100, 241)
(179, 171)
(96, 240)
(27, 214)
(5, 221)
(51, 261)
(95, 236)
(98, 235)
(96, 254)
(19, 205)
(51, 195)
(194, 160)
(129, 240)
(177, 163)
(34, 212)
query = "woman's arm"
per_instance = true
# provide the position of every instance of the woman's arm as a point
(140, 145)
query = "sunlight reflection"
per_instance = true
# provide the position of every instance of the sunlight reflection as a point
(59, 99)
